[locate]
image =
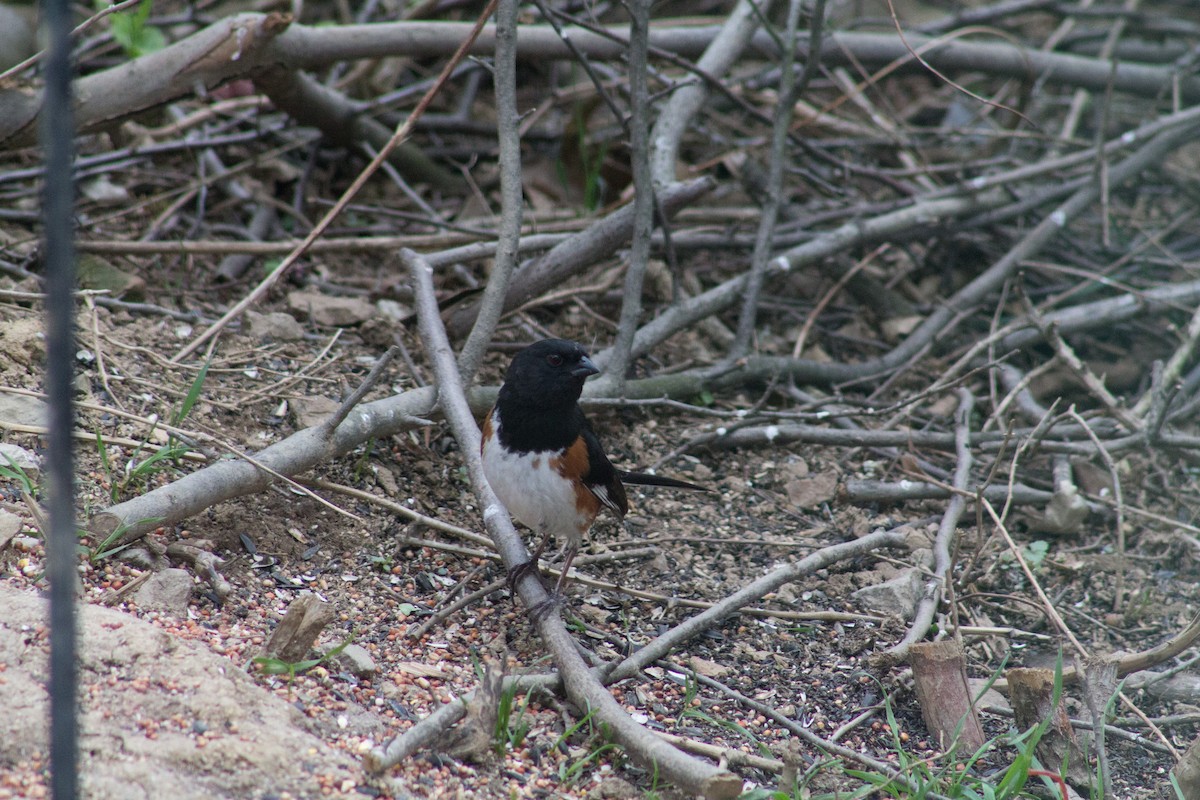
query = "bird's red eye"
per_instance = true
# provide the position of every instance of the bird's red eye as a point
(554, 360)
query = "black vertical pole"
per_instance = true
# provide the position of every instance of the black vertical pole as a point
(61, 547)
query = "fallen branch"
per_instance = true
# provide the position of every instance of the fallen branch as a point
(238, 46)
(691, 776)
(693, 626)
(935, 587)
(582, 250)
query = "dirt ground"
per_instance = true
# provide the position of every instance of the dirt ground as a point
(384, 576)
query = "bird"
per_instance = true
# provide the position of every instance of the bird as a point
(542, 457)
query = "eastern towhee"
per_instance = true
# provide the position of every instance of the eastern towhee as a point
(542, 457)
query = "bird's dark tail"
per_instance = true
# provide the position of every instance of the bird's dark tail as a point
(645, 479)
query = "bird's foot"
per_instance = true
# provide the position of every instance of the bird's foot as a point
(552, 602)
(518, 573)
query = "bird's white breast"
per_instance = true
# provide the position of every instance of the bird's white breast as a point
(532, 489)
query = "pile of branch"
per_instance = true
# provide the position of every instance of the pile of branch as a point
(985, 336)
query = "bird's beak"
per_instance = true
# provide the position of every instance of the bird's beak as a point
(585, 368)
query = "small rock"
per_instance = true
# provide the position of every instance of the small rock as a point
(392, 310)
(23, 342)
(167, 591)
(795, 468)
(918, 538)
(897, 597)
(309, 411)
(99, 274)
(335, 312)
(10, 526)
(813, 491)
(103, 190)
(991, 698)
(18, 458)
(924, 557)
(386, 481)
(276, 326)
(356, 660)
(1065, 513)
(899, 327)
(709, 669)
(701, 472)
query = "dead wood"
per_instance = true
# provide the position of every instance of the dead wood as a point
(298, 453)
(1187, 771)
(346, 123)
(581, 686)
(475, 736)
(568, 258)
(943, 543)
(1033, 701)
(239, 45)
(206, 563)
(297, 632)
(940, 680)
(751, 592)
(1009, 250)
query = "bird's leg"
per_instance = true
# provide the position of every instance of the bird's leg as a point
(569, 554)
(556, 596)
(521, 570)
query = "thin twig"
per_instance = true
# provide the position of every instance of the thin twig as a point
(368, 383)
(942, 544)
(508, 238)
(659, 647)
(789, 90)
(643, 196)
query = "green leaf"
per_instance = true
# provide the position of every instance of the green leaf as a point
(130, 31)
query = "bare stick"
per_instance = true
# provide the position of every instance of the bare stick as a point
(397, 508)
(1034, 700)
(470, 248)
(789, 90)
(227, 479)
(1175, 364)
(429, 730)
(600, 240)
(643, 196)
(659, 647)
(511, 197)
(973, 293)
(1119, 505)
(940, 679)
(238, 45)
(333, 420)
(78, 29)
(343, 122)
(927, 607)
(691, 776)
(679, 112)
(724, 295)
(894, 775)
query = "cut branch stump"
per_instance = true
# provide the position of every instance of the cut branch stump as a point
(939, 670)
(297, 632)
(1032, 694)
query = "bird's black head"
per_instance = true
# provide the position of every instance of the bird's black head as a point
(548, 373)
